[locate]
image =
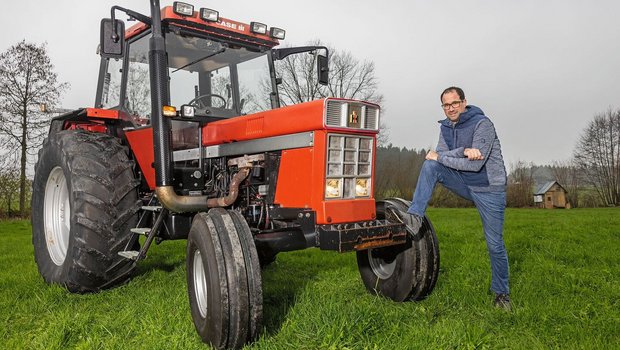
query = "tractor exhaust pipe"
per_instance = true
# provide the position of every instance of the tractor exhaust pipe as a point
(161, 128)
(180, 204)
(159, 98)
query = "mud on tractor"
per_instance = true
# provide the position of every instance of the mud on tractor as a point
(187, 140)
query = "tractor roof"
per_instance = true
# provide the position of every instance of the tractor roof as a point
(223, 28)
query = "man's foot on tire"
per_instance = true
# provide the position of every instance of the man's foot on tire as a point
(413, 222)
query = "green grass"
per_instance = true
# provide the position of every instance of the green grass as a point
(565, 277)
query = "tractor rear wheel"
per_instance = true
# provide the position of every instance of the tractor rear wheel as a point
(84, 202)
(404, 272)
(223, 279)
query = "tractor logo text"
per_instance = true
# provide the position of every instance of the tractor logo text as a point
(231, 25)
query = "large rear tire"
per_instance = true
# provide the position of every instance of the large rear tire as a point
(223, 279)
(84, 202)
(404, 272)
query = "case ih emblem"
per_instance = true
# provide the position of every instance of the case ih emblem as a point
(353, 117)
(355, 114)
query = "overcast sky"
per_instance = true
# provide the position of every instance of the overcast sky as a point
(539, 69)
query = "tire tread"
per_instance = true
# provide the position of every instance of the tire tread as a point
(103, 193)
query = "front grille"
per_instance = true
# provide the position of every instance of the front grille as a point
(338, 113)
(349, 163)
(372, 118)
(333, 113)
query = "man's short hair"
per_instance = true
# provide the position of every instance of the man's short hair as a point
(458, 90)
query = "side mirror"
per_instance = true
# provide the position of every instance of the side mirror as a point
(322, 69)
(112, 38)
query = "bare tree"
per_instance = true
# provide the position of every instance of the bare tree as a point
(348, 78)
(568, 175)
(598, 155)
(520, 182)
(27, 80)
(384, 134)
(299, 78)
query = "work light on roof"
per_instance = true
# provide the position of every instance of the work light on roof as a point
(277, 33)
(258, 28)
(183, 9)
(209, 15)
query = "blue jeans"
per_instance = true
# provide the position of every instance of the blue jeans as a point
(490, 205)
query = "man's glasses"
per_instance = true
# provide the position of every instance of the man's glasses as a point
(455, 104)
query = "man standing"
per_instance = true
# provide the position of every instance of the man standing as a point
(468, 161)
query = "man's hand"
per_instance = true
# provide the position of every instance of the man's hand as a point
(471, 154)
(432, 155)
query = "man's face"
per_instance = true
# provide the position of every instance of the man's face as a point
(452, 105)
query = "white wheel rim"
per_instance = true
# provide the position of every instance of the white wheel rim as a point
(380, 267)
(57, 216)
(200, 284)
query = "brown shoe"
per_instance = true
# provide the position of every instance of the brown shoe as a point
(502, 301)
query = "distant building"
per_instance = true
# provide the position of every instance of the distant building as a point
(551, 195)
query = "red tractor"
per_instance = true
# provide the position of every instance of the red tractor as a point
(187, 140)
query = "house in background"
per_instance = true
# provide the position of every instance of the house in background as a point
(551, 195)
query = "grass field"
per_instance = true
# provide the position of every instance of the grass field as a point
(565, 275)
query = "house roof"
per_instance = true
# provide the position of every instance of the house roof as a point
(545, 187)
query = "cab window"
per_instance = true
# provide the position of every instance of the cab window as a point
(112, 83)
(138, 92)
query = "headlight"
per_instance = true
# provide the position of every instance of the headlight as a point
(209, 15)
(362, 187)
(332, 188)
(183, 9)
(277, 33)
(188, 111)
(348, 166)
(258, 28)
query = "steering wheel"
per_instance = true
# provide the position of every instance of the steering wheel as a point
(197, 101)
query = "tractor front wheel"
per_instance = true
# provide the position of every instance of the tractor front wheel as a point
(223, 279)
(404, 272)
(84, 202)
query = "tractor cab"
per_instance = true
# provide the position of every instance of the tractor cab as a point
(216, 68)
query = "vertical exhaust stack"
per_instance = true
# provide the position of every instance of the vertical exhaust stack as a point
(161, 128)
(159, 98)
(162, 135)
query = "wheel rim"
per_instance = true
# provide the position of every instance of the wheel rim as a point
(57, 213)
(380, 267)
(200, 284)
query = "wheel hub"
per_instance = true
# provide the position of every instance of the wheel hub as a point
(382, 268)
(200, 284)
(57, 216)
